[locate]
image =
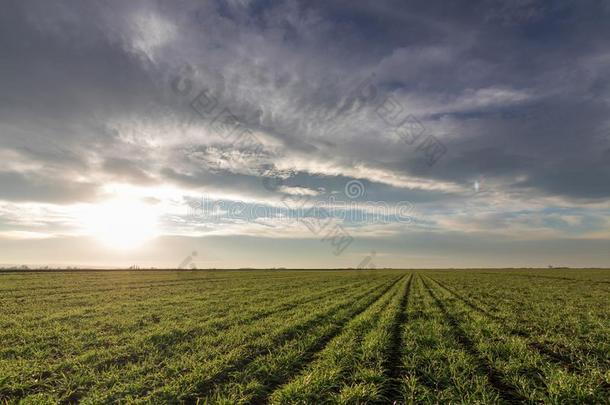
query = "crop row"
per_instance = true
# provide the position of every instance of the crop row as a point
(307, 337)
(516, 370)
(186, 353)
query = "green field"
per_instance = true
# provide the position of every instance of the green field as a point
(362, 336)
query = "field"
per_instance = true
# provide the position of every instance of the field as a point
(362, 336)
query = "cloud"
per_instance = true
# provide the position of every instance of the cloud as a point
(515, 91)
(31, 187)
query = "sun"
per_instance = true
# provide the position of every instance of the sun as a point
(121, 224)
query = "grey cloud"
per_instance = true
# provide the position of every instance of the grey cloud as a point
(128, 170)
(86, 90)
(28, 187)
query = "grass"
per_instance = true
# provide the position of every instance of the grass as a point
(348, 337)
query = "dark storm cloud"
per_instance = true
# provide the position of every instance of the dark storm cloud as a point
(535, 47)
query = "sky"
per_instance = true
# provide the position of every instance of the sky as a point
(298, 134)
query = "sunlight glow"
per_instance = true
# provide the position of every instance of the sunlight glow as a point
(121, 224)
